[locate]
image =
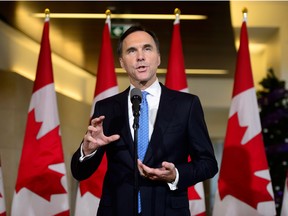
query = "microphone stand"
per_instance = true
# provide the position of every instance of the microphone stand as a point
(136, 183)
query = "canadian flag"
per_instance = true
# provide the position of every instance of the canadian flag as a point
(41, 186)
(244, 184)
(89, 190)
(2, 197)
(284, 210)
(176, 79)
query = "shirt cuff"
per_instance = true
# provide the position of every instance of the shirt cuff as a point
(84, 157)
(173, 185)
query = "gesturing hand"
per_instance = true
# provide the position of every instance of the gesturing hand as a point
(165, 173)
(94, 138)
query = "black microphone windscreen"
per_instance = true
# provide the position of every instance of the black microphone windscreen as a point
(136, 94)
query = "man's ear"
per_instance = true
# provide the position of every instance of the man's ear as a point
(121, 62)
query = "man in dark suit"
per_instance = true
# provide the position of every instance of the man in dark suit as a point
(177, 130)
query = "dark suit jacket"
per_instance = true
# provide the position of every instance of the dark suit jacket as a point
(179, 131)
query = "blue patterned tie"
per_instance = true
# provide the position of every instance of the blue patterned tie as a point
(143, 133)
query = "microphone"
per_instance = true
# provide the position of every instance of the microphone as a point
(136, 97)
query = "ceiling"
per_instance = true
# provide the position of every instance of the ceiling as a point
(207, 44)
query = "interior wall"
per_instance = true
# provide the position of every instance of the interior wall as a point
(269, 20)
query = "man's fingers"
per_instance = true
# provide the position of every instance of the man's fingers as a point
(113, 138)
(163, 173)
(92, 128)
(97, 121)
(168, 166)
(140, 167)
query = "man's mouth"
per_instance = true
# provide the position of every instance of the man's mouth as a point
(141, 68)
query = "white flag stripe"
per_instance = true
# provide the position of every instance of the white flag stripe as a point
(284, 210)
(109, 92)
(28, 200)
(198, 206)
(85, 202)
(45, 110)
(245, 105)
(231, 206)
(2, 199)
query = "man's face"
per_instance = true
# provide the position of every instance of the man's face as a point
(140, 58)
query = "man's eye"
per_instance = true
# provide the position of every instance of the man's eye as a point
(131, 51)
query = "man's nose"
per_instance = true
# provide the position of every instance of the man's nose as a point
(140, 56)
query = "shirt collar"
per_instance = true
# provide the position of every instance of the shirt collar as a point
(154, 89)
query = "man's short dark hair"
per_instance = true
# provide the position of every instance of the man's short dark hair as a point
(134, 29)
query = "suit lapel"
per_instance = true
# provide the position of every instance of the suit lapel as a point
(125, 132)
(164, 115)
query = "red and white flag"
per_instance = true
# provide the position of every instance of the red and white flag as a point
(176, 76)
(176, 79)
(41, 186)
(2, 197)
(90, 190)
(284, 210)
(244, 184)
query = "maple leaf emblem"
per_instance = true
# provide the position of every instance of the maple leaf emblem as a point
(37, 155)
(239, 165)
(193, 194)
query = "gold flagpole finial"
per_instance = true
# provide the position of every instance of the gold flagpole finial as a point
(47, 13)
(108, 12)
(245, 12)
(177, 11)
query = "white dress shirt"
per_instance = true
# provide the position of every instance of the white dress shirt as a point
(153, 99)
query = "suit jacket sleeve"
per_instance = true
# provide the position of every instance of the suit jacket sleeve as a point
(203, 164)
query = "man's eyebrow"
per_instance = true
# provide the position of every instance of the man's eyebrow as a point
(147, 45)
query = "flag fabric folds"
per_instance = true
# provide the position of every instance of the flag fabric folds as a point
(244, 184)
(2, 197)
(176, 76)
(41, 186)
(89, 190)
(284, 210)
(176, 79)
